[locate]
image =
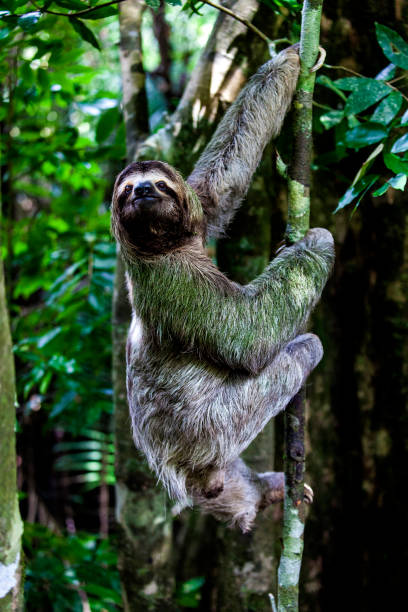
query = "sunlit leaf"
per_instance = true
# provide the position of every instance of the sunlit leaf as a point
(331, 118)
(400, 145)
(397, 182)
(404, 118)
(28, 22)
(386, 73)
(388, 108)
(368, 92)
(349, 83)
(43, 340)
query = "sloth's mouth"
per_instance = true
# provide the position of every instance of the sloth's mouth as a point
(150, 199)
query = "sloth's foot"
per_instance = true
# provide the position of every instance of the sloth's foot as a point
(273, 489)
(307, 494)
(214, 485)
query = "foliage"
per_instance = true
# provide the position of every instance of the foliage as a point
(62, 125)
(195, 6)
(93, 457)
(188, 593)
(358, 125)
(65, 571)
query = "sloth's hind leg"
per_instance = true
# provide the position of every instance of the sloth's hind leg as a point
(239, 500)
(252, 402)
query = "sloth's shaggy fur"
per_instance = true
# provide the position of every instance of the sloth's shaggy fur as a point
(209, 362)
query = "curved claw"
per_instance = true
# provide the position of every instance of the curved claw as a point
(320, 61)
(307, 494)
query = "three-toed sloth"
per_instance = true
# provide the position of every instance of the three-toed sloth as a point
(209, 361)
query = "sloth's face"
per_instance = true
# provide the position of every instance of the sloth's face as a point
(147, 197)
(153, 210)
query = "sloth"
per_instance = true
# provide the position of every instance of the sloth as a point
(210, 362)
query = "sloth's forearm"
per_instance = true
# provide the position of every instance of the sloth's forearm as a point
(223, 172)
(244, 330)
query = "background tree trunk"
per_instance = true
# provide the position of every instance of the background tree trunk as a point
(358, 395)
(11, 526)
(142, 509)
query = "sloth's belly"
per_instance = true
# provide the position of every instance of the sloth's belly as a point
(168, 372)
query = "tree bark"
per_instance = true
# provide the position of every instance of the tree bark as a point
(142, 511)
(298, 223)
(11, 526)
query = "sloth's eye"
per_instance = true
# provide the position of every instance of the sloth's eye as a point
(161, 185)
(128, 189)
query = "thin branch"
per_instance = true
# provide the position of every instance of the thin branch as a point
(298, 224)
(79, 13)
(247, 23)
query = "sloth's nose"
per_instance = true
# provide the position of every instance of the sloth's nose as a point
(144, 189)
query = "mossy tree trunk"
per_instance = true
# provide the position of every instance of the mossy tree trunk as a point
(141, 507)
(10, 521)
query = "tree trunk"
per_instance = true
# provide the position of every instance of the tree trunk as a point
(11, 526)
(142, 510)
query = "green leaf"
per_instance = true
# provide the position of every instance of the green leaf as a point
(349, 83)
(367, 93)
(194, 584)
(395, 163)
(397, 182)
(43, 340)
(84, 32)
(326, 82)
(400, 145)
(388, 108)
(394, 47)
(331, 118)
(355, 190)
(387, 73)
(29, 21)
(101, 13)
(365, 134)
(154, 4)
(108, 120)
(368, 162)
(73, 5)
(404, 118)
(103, 593)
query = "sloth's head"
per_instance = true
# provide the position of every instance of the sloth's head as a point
(153, 210)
